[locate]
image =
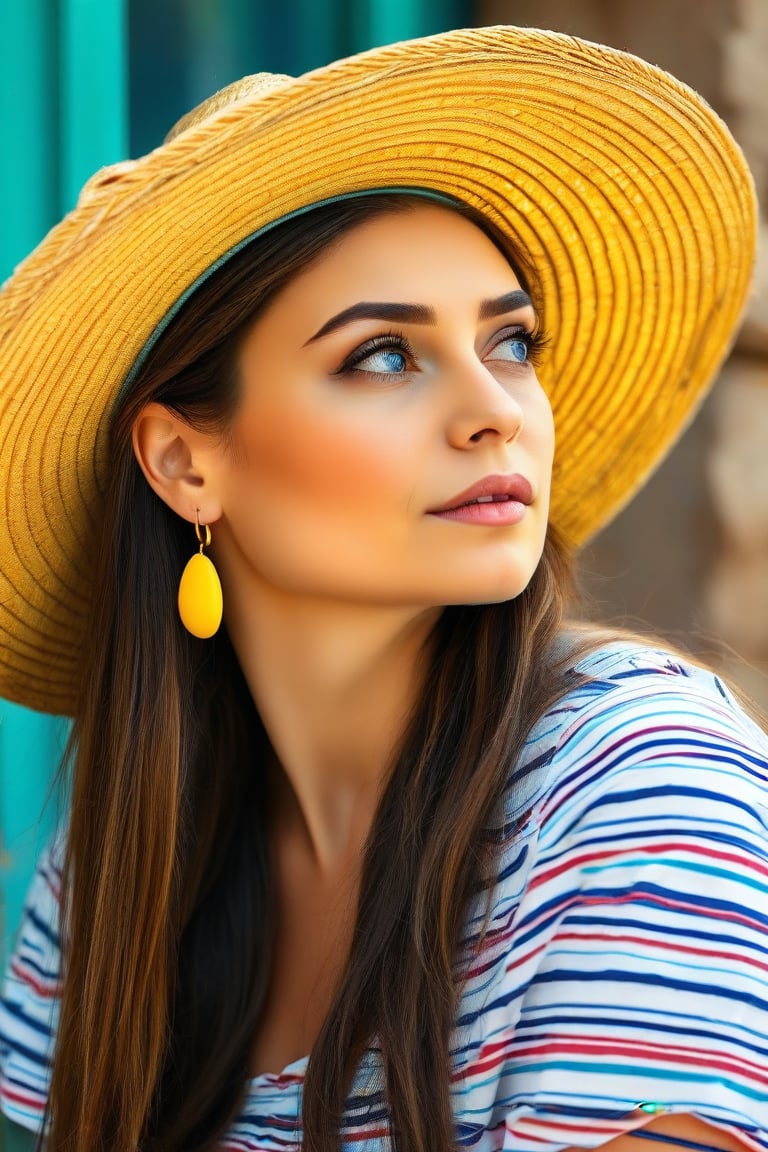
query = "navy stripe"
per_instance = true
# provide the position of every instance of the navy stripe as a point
(642, 769)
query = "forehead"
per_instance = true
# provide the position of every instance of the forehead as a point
(423, 248)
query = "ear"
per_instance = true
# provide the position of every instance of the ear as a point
(176, 461)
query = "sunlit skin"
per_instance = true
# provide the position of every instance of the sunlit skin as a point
(326, 540)
(321, 501)
(340, 462)
(334, 565)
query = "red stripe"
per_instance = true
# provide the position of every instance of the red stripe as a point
(662, 945)
(494, 1055)
(49, 991)
(35, 1103)
(660, 1054)
(580, 900)
(742, 860)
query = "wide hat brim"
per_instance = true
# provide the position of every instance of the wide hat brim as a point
(627, 192)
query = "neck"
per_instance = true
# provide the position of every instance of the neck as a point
(334, 685)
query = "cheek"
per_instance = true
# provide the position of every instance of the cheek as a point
(317, 460)
(544, 428)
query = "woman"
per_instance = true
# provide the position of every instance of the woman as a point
(504, 882)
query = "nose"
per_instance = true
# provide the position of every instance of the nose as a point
(483, 410)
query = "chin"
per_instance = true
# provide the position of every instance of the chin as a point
(481, 600)
(510, 590)
(494, 587)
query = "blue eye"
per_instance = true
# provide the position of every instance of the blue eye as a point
(519, 349)
(515, 347)
(389, 354)
(386, 361)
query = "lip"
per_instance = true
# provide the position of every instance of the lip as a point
(512, 488)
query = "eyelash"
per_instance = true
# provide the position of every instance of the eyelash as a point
(536, 340)
(397, 341)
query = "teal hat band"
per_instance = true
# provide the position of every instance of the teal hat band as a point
(424, 193)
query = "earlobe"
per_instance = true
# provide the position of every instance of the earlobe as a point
(171, 456)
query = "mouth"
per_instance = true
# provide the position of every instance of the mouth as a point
(491, 490)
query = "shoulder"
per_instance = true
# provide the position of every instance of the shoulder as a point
(640, 717)
(651, 819)
(624, 938)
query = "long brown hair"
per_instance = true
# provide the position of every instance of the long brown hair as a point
(168, 906)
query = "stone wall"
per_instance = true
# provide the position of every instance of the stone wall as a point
(689, 557)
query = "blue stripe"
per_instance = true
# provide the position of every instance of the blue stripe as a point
(574, 793)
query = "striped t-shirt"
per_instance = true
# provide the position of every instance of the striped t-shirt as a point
(625, 966)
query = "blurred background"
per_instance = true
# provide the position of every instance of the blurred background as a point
(84, 83)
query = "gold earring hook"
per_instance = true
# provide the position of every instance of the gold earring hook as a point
(204, 541)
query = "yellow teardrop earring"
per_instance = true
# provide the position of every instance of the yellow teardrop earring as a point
(200, 600)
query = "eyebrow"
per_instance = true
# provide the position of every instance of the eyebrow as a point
(511, 302)
(416, 313)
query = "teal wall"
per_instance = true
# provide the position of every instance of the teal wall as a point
(182, 50)
(84, 83)
(63, 113)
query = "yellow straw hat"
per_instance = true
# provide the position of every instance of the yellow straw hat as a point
(627, 192)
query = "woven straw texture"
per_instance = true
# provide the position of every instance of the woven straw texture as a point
(626, 190)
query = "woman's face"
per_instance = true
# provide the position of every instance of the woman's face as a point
(384, 390)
